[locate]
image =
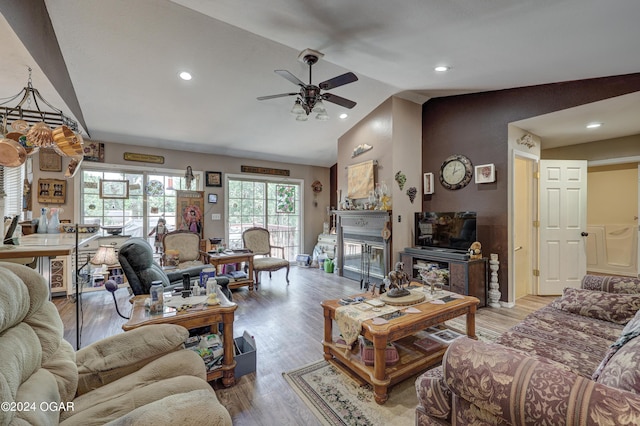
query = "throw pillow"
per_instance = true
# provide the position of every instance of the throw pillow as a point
(616, 308)
(630, 331)
(172, 258)
(623, 369)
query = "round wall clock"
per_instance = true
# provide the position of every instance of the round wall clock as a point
(456, 172)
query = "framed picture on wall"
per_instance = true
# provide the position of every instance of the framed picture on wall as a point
(213, 178)
(428, 183)
(189, 211)
(485, 173)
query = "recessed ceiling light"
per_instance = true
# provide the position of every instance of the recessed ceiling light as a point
(343, 116)
(593, 125)
(442, 68)
(185, 75)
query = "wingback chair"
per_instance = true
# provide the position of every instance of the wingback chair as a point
(187, 246)
(258, 241)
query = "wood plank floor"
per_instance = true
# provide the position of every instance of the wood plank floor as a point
(286, 322)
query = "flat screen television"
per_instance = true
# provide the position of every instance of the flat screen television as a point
(445, 230)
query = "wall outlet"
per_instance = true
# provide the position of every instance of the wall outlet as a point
(215, 216)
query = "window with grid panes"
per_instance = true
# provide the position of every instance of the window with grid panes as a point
(257, 203)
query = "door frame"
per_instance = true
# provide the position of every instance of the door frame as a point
(624, 160)
(535, 158)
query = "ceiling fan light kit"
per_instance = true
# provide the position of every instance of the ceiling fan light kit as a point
(310, 98)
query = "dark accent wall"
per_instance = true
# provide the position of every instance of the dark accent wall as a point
(475, 125)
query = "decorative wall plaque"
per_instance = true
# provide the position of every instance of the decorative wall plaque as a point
(144, 158)
(264, 170)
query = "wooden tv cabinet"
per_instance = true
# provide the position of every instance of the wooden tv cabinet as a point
(468, 277)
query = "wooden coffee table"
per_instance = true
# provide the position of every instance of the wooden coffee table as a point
(402, 332)
(208, 316)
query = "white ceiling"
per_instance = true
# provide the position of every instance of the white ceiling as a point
(123, 58)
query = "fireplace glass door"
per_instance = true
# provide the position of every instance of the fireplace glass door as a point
(363, 260)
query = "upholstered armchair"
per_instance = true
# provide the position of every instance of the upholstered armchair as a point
(140, 377)
(182, 250)
(258, 241)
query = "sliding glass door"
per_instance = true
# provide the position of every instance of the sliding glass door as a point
(268, 203)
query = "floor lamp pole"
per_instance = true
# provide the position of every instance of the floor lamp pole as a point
(78, 301)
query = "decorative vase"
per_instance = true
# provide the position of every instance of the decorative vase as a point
(42, 222)
(53, 226)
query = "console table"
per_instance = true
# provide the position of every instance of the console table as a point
(466, 276)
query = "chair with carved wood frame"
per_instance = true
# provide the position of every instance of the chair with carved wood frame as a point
(186, 245)
(258, 241)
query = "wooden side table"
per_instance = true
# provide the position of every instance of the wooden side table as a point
(196, 318)
(217, 259)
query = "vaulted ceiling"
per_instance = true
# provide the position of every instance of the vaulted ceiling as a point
(123, 58)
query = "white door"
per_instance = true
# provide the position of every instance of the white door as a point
(563, 224)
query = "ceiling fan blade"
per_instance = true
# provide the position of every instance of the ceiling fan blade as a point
(340, 80)
(338, 100)
(292, 78)
(262, 98)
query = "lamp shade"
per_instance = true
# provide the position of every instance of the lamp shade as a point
(106, 255)
(297, 108)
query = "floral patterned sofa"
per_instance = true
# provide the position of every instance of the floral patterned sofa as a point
(573, 362)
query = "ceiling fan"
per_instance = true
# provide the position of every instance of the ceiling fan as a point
(309, 98)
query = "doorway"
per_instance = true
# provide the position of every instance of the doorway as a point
(524, 215)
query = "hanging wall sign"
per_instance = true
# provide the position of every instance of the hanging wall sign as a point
(264, 170)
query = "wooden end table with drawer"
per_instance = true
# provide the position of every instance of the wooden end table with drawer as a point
(208, 316)
(401, 331)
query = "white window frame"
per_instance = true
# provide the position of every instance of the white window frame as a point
(125, 168)
(269, 179)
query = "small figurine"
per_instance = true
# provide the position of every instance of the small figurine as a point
(160, 231)
(398, 278)
(475, 251)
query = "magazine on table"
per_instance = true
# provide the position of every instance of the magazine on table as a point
(443, 335)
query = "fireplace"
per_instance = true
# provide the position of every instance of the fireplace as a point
(363, 255)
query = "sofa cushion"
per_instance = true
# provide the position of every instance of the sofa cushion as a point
(617, 308)
(623, 369)
(576, 341)
(629, 332)
(611, 284)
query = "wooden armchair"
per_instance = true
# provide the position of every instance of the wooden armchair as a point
(182, 249)
(258, 241)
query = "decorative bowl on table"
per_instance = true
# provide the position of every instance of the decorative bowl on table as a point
(70, 228)
(113, 230)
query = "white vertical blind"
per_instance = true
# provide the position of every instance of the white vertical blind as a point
(13, 187)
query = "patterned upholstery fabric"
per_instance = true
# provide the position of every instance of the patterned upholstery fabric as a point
(622, 371)
(618, 308)
(511, 387)
(437, 393)
(577, 342)
(539, 372)
(611, 284)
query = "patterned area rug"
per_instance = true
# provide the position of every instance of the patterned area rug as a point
(337, 399)
(484, 334)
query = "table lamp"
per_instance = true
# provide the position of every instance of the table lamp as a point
(105, 256)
